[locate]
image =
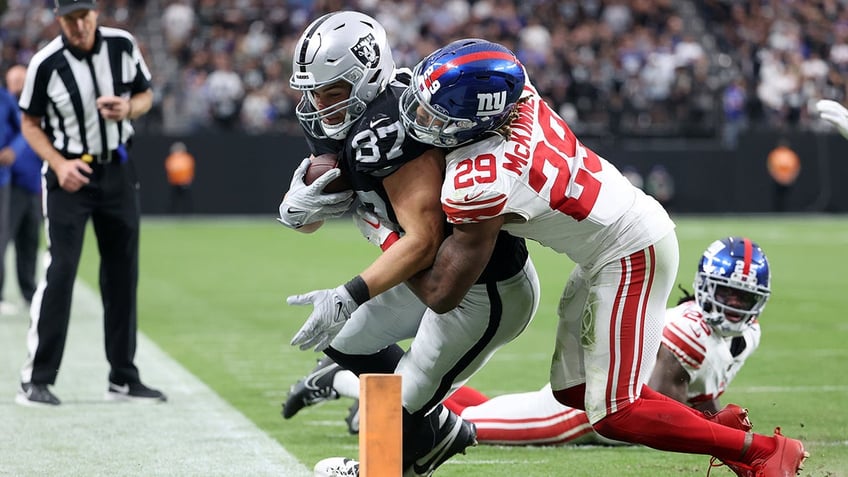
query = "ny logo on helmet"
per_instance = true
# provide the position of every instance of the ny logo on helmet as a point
(367, 51)
(489, 104)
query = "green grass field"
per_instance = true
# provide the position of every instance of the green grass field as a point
(212, 294)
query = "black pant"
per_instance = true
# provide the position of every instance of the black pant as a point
(111, 201)
(25, 231)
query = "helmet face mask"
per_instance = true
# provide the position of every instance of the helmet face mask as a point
(732, 284)
(460, 92)
(342, 46)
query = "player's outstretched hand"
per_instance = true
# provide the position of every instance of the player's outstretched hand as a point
(306, 204)
(331, 309)
(834, 113)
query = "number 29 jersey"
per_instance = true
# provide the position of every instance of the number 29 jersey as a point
(551, 189)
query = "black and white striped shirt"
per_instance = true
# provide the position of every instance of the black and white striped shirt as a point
(63, 84)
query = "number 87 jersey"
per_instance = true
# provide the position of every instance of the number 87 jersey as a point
(551, 189)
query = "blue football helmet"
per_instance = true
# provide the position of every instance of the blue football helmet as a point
(732, 284)
(461, 91)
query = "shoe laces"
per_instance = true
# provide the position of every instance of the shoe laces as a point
(315, 396)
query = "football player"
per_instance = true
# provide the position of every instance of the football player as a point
(706, 340)
(513, 164)
(351, 89)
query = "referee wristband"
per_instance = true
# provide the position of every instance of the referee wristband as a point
(358, 290)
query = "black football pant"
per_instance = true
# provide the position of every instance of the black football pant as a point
(111, 201)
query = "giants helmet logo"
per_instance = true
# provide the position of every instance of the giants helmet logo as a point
(367, 51)
(489, 104)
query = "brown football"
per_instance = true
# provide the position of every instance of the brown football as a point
(321, 164)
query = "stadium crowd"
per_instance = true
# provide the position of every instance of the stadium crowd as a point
(620, 67)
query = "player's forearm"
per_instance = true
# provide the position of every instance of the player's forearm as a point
(406, 257)
(443, 286)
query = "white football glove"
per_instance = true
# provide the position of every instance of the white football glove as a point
(307, 204)
(332, 308)
(373, 229)
(834, 113)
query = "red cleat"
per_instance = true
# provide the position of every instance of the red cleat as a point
(787, 460)
(733, 416)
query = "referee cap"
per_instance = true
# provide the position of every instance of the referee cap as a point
(64, 7)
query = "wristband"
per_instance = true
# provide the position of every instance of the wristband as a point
(358, 290)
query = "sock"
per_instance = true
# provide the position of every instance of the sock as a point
(346, 384)
(665, 424)
(464, 397)
(649, 393)
(761, 447)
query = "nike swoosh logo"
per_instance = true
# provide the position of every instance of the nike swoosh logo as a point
(470, 198)
(378, 121)
(339, 307)
(293, 211)
(312, 380)
(125, 389)
(376, 225)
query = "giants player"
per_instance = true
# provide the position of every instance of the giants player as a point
(343, 65)
(514, 165)
(705, 343)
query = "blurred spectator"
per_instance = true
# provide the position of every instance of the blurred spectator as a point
(224, 91)
(783, 166)
(177, 26)
(179, 167)
(632, 67)
(660, 184)
(735, 113)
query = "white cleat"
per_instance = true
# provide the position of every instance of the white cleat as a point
(336, 467)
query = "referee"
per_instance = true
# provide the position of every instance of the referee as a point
(81, 91)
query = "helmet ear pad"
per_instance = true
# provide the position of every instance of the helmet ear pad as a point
(341, 46)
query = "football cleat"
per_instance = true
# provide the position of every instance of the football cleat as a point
(336, 467)
(316, 387)
(454, 436)
(352, 418)
(787, 460)
(733, 416)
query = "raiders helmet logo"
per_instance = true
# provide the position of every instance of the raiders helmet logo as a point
(367, 51)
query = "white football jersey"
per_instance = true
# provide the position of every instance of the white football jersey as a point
(711, 360)
(567, 197)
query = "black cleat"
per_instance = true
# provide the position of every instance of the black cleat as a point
(454, 436)
(352, 418)
(316, 387)
(134, 392)
(36, 395)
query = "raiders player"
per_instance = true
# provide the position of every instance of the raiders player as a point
(344, 67)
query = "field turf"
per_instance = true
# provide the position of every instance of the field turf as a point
(212, 295)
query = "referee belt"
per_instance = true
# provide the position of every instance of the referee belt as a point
(105, 158)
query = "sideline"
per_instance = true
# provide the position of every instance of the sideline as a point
(196, 433)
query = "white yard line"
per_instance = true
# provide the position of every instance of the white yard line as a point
(196, 433)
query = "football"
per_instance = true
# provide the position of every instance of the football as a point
(321, 164)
